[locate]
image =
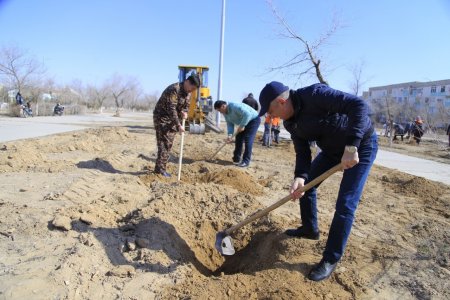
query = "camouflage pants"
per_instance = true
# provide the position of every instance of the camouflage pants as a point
(164, 139)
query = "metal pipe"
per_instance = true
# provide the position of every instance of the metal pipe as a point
(219, 88)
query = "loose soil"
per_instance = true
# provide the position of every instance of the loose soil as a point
(83, 217)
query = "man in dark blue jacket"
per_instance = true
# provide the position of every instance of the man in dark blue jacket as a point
(341, 126)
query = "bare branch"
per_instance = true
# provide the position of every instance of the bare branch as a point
(17, 69)
(309, 55)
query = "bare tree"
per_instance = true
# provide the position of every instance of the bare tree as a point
(119, 87)
(18, 70)
(151, 100)
(78, 92)
(357, 81)
(134, 98)
(97, 96)
(307, 60)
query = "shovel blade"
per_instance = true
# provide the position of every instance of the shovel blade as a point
(224, 244)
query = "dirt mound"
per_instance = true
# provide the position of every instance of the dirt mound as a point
(203, 172)
(412, 186)
(235, 178)
(57, 152)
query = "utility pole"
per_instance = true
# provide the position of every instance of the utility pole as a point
(219, 88)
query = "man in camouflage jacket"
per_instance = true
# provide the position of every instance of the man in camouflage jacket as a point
(169, 110)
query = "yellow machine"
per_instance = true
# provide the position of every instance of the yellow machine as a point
(201, 105)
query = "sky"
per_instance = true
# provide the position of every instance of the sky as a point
(90, 40)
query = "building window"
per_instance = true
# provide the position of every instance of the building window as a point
(433, 89)
(447, 103)
(443, 89)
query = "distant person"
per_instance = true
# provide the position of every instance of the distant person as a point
(58, 109)
(341, 126)
(399, 130)
(169, 110)
(250, 101)
(271, 128)
(417, 130)
(276, 129)
(448, 133)
(247, 120)
(19, 99)
(408, 129)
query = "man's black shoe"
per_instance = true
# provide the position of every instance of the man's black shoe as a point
(302, 233)
(322, 270)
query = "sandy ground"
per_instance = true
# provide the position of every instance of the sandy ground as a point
(83, 218)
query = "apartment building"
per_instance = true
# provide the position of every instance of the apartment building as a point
(431, 99)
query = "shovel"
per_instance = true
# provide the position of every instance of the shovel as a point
(224, 244)
(223, 145)
(181, 151)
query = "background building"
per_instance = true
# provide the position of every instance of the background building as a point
(404, 101)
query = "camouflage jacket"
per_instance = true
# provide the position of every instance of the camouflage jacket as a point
(172, 102)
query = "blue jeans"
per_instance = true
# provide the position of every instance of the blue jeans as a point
(247, 136)
(350, 191)
(266, 135)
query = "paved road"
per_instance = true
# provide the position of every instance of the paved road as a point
(21, 128)
(412, 165)
(12, 129)
(416, 166)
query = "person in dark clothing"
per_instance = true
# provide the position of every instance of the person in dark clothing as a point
(170, 108)
(417, 129)
(399, 130)
(341, 126)
(250, 101)
(408, 129)
(448, 133)
(19, 99)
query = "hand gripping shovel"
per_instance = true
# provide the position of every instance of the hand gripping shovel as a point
(224, 244)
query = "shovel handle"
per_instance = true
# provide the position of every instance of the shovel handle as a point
(277, 204)
(220, 148)
(180, 160)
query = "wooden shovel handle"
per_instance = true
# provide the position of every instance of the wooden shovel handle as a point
(265, 211)
(180, 160)
(223, 145)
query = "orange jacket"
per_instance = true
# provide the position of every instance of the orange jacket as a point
(275, 121)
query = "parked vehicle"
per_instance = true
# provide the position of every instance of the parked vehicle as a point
(58, 110)
(27, 111)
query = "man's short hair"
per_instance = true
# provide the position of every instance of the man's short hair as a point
(284, 95)
(194, 80)
(218, 104)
